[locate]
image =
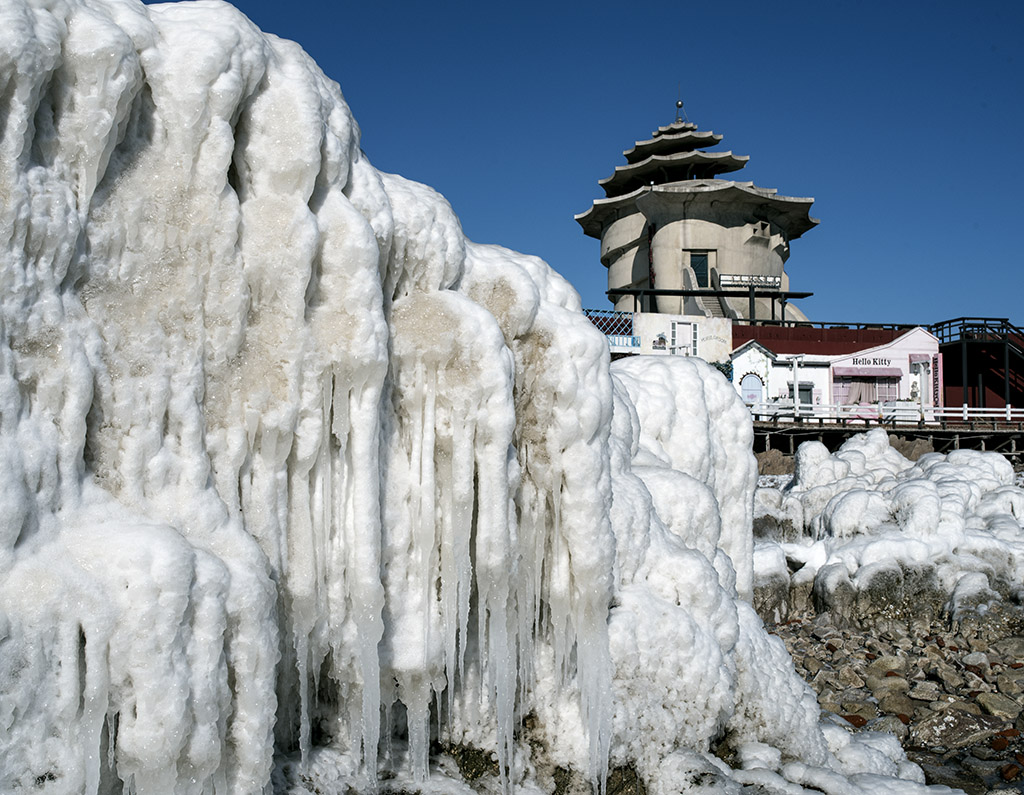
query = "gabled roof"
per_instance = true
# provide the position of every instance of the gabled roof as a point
(753, 345)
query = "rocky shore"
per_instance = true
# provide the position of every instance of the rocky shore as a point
(952, 696)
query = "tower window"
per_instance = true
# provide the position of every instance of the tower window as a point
(699, 266)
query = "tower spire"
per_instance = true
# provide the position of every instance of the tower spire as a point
(680, 113)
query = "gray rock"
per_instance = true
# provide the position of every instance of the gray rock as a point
(956, 704)
(896, 704)
(890, 724)
(863, 708)
(950, 678)
(885, 664)
(975, 658)
(954, 728)
(1009, 685)
(887, 685)
(1011, 649)
(925, 691)
(999, 705)
(979, 644)
(823, 632)
(986, 752)
(848, 677)
(982, 766)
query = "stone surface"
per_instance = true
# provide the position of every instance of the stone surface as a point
(955, 728)
(924, 691)
(930, 686)
(1011, 648)
(895, 704)
(975, 658)
(890, 724)
(999, 705)
(883, 665)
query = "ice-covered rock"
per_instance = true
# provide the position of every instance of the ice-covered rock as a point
(879, 534)
(296, 479)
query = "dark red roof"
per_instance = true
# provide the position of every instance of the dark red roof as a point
(811, 339)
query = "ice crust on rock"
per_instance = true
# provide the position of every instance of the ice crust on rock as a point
(868, 518)
(297, 480)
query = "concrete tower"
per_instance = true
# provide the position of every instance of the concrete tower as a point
(677, 239)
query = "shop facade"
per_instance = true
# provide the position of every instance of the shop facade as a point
(904, 375)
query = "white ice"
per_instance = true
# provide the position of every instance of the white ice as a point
(866, 511)
(297, 480)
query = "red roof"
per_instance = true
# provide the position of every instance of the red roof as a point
(811, 339)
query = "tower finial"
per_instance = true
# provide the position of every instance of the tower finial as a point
(680, 113)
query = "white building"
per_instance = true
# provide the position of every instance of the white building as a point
(902, 375)
(655, 333)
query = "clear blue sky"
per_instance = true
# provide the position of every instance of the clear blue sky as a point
(904, 119)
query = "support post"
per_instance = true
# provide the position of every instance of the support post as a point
(1006, 372)
(963, 370)
(796, 390)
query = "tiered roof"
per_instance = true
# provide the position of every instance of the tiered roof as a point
(673, 162)
(672, 154)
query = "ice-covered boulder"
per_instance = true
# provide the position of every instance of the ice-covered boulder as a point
(875, 534)
(296, 480)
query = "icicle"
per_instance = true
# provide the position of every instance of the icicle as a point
(355, 423)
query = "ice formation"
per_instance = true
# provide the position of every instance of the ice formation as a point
(297, 481)
(865, 522)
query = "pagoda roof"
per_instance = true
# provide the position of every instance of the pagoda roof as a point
(790, 213)
(671, 168)
(675, 140)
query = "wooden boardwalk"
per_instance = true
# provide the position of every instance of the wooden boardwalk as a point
(786, 434)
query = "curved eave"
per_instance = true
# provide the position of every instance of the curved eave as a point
(681, 142)
(671, 168)
(602, 212)
(675, 127)
(789, 213)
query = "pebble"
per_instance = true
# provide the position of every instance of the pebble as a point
(954, 700)
(924, 691)
(975, 658)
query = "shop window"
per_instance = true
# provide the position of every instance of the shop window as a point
(888, 389)
(847, 391)
(806, 392)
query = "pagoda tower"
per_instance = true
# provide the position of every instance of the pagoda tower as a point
(678, 239)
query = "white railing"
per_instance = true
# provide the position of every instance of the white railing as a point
(893, 413)
(1007, 414)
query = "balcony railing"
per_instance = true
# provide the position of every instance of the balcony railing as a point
(610, 322)
(892, 413)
